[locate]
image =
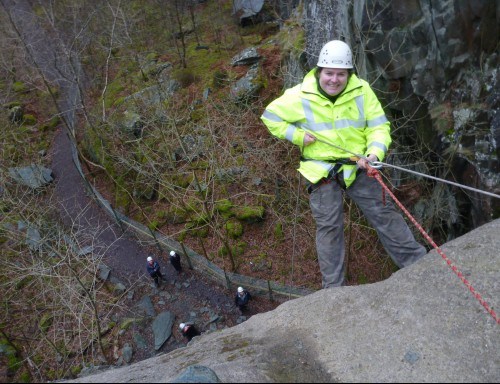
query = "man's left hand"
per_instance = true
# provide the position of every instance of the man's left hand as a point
(364, 163)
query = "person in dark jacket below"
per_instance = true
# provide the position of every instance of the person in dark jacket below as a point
(188, 330)
(154, 271)
(242, 298)
(175, 260)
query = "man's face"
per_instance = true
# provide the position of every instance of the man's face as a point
(333, 80)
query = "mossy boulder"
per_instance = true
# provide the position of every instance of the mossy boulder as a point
(20, 87)
(234, 229)
(53, 123)
(223, 207)
(144, 187)
(29, 119)
(175, 215)
(278, 232)
(200, 232)
(11, 104)
(16, 114)
(250, 214)
(122, 197)
(198, 219)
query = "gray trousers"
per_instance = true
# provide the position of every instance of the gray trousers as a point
(326, 204)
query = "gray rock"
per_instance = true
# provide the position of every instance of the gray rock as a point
(248, 86)
(132, 123)
(85, 250)
(197, 374)
(247, 8)
(33, 176)
(162, 328)
(104, 271)
(147, 306)
(119, 288)
(247, 57)
(127, 353)
(140, 341)
(33, 238)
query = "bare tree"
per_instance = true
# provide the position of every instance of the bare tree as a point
(57, 308)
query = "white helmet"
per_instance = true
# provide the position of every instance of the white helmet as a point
(181, 326)
(149, 258)
(240, 289)
(172, 253)
(335, 54)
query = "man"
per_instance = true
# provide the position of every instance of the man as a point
(153, 269)
(332, 116)
(175, 260)
(188, 330)
(242, 298)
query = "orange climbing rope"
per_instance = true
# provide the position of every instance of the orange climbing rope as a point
(373, 172)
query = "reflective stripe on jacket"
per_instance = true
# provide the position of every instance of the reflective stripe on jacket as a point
(356, 122)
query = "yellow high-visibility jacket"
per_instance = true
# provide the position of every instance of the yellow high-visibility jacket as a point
(355, 122)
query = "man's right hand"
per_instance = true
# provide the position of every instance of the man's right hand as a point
(308, 139)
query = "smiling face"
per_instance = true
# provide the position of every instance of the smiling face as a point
(333, 80)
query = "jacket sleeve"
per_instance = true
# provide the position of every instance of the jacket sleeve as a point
(283, 116)
(378, 128)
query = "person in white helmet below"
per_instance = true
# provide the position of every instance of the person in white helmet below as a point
(242, 298)
(175, 260)
(188, 330)
(333, 106)
(154, 270)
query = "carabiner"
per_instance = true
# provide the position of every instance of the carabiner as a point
(375, 164)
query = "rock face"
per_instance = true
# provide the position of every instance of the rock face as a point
(422, 324)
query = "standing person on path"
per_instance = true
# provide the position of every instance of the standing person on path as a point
(188, 330)
(175, 260)
(242, 298)
(153, 269)
(333, 106)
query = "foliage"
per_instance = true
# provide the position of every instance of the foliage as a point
(234, 229)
